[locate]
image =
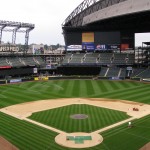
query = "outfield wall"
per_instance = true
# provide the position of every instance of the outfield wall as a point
(77, 77)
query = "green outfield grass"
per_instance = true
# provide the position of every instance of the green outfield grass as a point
(27, 136)
(31, 91)
(97, 118)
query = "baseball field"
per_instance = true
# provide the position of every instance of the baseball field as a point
(67, 95)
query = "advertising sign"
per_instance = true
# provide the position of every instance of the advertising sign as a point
(40, 78)
(88, 37)
(129, 68)
(88, 46)
(15, 80)
(115, 78)
(108, 47)
(35, 70)
(36, 78)
(74, 47)
(101, 47)
(124, 47)
(113, 47)
(5, 67)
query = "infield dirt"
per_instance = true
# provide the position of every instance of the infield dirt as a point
(24, 110)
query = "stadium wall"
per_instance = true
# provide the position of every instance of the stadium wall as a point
(78, 70)
(15, 72)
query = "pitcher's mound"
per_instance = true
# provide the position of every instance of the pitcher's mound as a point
(79, 116)
(78, 140)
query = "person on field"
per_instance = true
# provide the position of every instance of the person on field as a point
(129, 124)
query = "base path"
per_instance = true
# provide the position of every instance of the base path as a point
(45, 126)
(25, 110)
(146, 147)
(6, 145)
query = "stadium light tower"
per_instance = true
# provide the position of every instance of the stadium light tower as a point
(14, 27)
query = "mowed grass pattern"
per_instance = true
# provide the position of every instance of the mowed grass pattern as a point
(31, 137)
(31, 91)
(97, 118)
(27, 136)
(124, 138)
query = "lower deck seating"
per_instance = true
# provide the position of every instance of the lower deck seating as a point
(103, 71)
(137, 71)
(122, 72)
(113, 72)
(144, 74)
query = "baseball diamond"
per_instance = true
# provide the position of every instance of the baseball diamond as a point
(114, 95)
(92, 92)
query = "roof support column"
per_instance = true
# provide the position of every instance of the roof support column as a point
(1, 32)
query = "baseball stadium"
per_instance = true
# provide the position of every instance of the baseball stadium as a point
(94, 96)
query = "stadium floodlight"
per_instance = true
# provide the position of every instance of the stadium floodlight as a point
(14, 27)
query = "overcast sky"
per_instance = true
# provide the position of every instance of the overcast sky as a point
(47, 15)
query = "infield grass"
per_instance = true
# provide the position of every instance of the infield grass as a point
(97, 118)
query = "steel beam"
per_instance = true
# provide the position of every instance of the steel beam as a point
(85, 8)
(14, 34)
(11, 26)
(27, 39)
(1, 32)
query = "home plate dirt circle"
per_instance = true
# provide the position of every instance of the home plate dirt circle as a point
(78, 140)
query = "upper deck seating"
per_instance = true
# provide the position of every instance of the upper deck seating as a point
(105, 58)
(67, 59)
(4, 62)
(28, 61)
(119, 59)
(90, 58)
(15, 62)
(77, 58)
